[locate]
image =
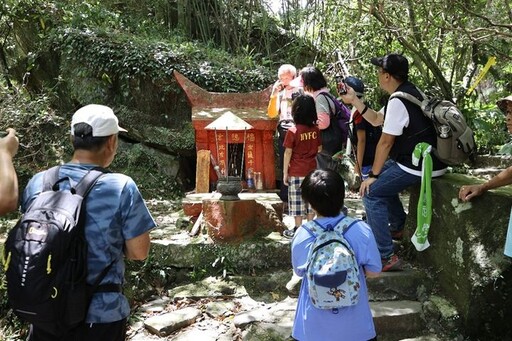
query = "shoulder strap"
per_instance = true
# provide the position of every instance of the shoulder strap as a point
(306, 227)
(354, 221)
(88, 181)
(280, 95)
(328, 97)
(344, 218)
(50, 177)
(406, 96)
(409, 97)
(329, 226)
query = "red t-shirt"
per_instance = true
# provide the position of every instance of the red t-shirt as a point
(304, 142)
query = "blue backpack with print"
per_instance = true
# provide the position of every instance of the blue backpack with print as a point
(332, 269)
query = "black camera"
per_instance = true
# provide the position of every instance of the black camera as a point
(295, 95)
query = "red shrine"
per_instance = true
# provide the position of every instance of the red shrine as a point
(251, 108)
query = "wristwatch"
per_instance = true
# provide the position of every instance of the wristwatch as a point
(371, 175)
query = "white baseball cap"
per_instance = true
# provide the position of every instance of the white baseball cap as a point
(100, 117)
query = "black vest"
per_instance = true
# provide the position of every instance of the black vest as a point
(420, 129)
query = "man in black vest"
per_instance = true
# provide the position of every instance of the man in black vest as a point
(393, 170)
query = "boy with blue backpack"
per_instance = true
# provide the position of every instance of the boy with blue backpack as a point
(333, 254)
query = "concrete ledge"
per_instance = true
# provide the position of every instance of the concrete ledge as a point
(466, 253)
(397, 318)
(272, 251)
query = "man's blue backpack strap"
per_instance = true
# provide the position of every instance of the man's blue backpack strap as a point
(332, 270)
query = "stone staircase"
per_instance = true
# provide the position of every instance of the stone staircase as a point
(248, 293)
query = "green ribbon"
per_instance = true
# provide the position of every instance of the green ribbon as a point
(424, 214)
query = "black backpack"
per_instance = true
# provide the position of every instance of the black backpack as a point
(335, 136)
(45, 257)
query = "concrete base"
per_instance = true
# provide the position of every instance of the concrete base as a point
(254, 215)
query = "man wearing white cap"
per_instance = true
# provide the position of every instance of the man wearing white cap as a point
(117, 222)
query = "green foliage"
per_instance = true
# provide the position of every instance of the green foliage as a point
(198, 273)
(11, 328)
(447, 43)
(43, 133)
(506, 149)
(148, 275)
(489, 127)
(101, 66)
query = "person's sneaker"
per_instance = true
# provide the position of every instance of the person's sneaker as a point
(393, 263)
(289, 233)
(397, 235)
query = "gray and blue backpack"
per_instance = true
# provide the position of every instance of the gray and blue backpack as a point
(332, 269)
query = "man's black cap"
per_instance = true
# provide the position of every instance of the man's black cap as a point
(394, 64)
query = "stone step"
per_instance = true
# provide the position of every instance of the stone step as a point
(255, 304)
(181, 251)
(226, 308)
(399, 285)
(398, 319)
(418, 338)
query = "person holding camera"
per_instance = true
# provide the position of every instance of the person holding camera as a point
(280, 106)
(364, 136)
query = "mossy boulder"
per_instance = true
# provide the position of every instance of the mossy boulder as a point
(466, 251)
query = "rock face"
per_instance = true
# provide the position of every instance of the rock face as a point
(467, 242)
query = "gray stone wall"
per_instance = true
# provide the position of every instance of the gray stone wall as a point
(466, 255)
